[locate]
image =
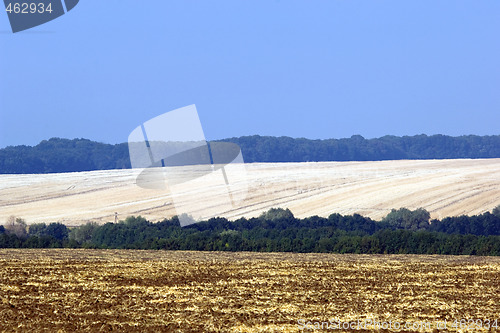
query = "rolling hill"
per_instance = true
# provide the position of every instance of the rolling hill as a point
(443, 187)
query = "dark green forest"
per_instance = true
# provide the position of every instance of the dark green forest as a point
(402, 231)
(63, 155)
(356, 148)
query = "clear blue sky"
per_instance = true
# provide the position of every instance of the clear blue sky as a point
(315, 69)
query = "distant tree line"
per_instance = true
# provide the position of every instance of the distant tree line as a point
(277, 230)
(284, 149)
(63, 155)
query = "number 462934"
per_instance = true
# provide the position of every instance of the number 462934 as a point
(28, 8)
(475, 324)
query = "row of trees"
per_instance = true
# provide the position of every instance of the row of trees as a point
(63, 155)
(401, 231)
(16, 234)
(284, 149)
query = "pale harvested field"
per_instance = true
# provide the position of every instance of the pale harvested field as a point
(62, 290)
(443, 187)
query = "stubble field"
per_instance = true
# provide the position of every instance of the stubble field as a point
(143, 291)
(443, 187)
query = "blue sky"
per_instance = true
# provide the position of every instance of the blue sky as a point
(315, 69)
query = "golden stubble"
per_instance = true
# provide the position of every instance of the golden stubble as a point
(123, 290)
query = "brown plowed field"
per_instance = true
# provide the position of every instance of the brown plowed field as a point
(63, 290)
(443, 187)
